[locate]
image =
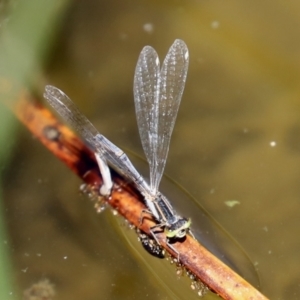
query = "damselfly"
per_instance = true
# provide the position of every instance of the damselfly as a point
(157, 95)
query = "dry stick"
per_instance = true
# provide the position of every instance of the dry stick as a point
(127, 201)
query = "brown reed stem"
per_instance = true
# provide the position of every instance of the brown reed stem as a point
(66, 146)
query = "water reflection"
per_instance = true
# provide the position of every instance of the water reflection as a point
(206, 229)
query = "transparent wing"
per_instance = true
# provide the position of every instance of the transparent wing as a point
(146, 95)
(106, 149)
(172, 81)
(68, 110)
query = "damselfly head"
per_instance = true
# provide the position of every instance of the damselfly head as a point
(179, 228)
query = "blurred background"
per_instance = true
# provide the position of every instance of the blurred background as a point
(236, 140)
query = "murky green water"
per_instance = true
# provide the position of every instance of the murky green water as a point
(237, 137)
